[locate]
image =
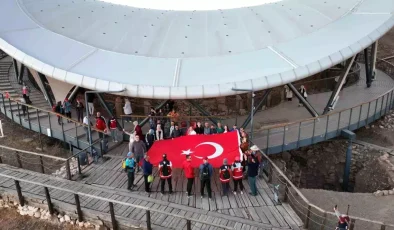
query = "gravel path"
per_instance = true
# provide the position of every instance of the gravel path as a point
(361, 204)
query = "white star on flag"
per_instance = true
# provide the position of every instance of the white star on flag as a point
(187, 152)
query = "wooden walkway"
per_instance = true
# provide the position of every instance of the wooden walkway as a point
(107, 181)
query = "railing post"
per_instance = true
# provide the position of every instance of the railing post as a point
(79, 165)
(383, 227)
(308, 215)
(49, 202)
(339, 121)
(359, 116)
(299, 134)
(148, 224)
(5, 111)
(284, 138)
(352, 222)
(28, 116)
(18, 159)
(19, 113)
(12, 114)
(387, 103)
(350, 118)
(270, 174)
(79, 211)
(50, 125)
(68, 169)
(39, 123)
(325, 134)
(286, 197)
(19, 191)
(113, 219)
(64, 136)
(1, 161)
(376, 107)
(268, 140)
(188, 225)
(76, 133)
(42, 165)
(381, 106)
(313, 131)
(324, 221)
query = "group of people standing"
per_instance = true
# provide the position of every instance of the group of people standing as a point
(227, 172)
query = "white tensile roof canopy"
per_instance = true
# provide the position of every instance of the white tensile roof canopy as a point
(184, 49)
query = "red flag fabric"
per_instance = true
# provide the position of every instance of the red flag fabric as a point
(216, 147)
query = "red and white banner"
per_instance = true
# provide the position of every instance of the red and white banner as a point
(216, 147)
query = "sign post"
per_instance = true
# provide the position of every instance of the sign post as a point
(1, 130)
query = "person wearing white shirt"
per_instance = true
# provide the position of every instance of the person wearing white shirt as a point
(127, 109)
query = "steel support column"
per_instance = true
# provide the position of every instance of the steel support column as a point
(101, 99)
(46, 94)
(20, 74)
(373, 59)
(73, 93)
(338, 87)
(259, 105)
(161, 105)
(308, 106)
(202, 111)
(15, 63)
(367, 68)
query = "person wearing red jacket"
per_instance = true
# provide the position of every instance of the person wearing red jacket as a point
(114, 129)
(165, 169)
(100, 124)
(236, 169)
(224, 176)
(189, 174)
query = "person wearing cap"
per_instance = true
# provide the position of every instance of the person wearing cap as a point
(130, 168)
(147, 169)
(224, 176)
(253, 168)
(206, 172)
(165, 172)
(236, 169)
(189, 174)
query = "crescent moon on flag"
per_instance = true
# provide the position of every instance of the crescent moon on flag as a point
(218, 149)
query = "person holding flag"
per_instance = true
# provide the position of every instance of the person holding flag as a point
(224, 176)
(165, 172)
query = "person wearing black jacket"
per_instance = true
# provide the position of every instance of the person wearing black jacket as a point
(150, 138)
(177, 132)
(199, 129)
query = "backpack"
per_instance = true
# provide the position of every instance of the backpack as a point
(226, 173)
(205, 172)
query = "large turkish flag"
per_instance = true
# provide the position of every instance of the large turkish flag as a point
(216, 147)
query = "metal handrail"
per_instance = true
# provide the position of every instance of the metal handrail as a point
(288, 181)
(33, 153)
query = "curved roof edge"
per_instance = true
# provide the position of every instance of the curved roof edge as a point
(304, 67)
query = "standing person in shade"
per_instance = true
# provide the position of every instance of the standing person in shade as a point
(138, 147)
(90, 98)
(85, 127)
(207, 129)
(253, 169)
(147, 169)
(199, 129)
(171, 129)
(130, 168)
(138, 130)
(224, 176)
(213, 129)
(79, 108)
(236, 169)
(206, 172)
(225, 129)
(67, 109)
(234, 128)
(177, 132)
(113, 126)
(191, 131)
(100, 124)
(59, 109)
(26, 93)
(303, 93)
(165, 172)
(288, 93)
(127, 109)
(189, 174)
(150, 138)
(159, 133)
(24, 107)
(219, 128)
